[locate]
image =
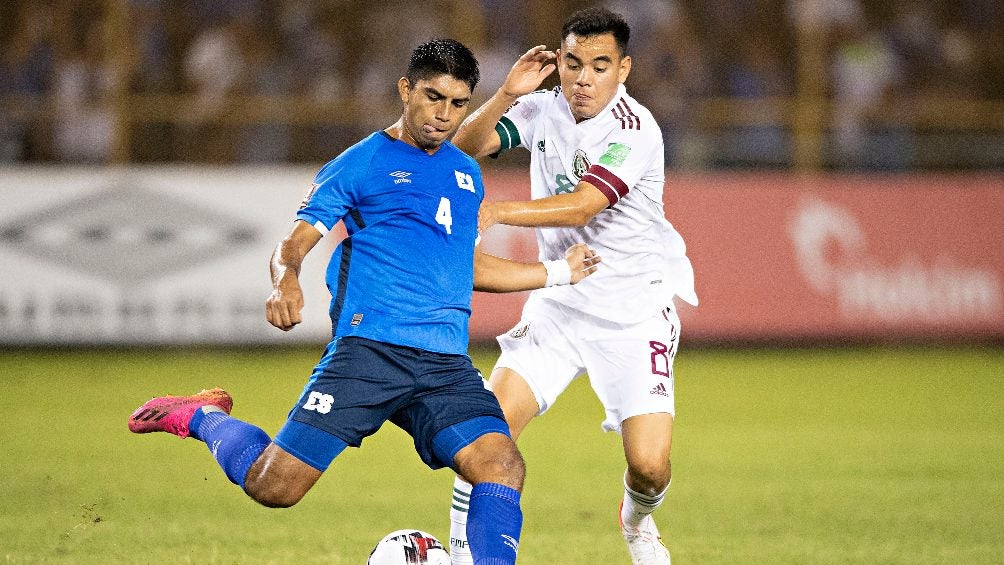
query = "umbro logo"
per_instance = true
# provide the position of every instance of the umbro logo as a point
(401, 176)
(659, 389)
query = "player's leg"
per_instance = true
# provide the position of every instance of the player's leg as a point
(267, 473)
(279, 479)
(457, 422)
(520, 406)
(275, 475)
(631, 369)
(536, 347)
(647, 440)
(518, 402)
(354, 389)
(205, 416)
(495, 468)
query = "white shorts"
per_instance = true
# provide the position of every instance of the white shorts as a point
(630, 366)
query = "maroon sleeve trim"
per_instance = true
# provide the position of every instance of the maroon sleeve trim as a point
(609, 184)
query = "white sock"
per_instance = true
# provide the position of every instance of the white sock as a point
(637, 505)
(460, 552)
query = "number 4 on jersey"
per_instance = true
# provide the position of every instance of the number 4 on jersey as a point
(444, 216)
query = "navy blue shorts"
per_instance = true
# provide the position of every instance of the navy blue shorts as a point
(359, 384)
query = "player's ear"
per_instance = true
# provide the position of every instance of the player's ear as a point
(625, 69)
(403, 89)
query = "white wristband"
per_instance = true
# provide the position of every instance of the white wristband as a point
(558, 272)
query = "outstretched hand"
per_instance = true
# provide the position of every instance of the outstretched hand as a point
(486, 216)
(529, 71)
(582, 260)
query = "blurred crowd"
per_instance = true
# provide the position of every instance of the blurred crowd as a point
(158, 79)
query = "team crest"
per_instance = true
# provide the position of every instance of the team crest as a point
(580, 164)
(519, 331)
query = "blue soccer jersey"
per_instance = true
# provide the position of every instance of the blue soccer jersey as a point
(405, 273)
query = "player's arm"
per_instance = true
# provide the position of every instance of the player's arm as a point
(477, 136)
(282, 309)
(495, 274)
(571, 209)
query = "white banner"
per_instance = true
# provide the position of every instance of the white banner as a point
(144, 255)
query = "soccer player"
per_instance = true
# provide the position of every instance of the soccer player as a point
(596, 175)
(401, 286)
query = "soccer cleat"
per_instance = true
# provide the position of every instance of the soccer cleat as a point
(172, 414)
(645, 545)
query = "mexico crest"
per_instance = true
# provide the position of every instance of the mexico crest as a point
(519, 331)
(580, 164)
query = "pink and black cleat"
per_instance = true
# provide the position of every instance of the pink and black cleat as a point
(171, 414)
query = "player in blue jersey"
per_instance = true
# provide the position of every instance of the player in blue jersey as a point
(401, 286)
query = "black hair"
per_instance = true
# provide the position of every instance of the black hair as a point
(597, 21)
(443, 57)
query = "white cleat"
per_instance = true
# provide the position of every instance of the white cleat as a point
(645, 545)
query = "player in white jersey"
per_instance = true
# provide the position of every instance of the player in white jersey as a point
(597, 175)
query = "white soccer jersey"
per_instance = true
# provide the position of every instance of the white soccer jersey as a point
(620, 151)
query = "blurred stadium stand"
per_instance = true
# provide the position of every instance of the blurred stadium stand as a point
(128, 128)
(813, 85)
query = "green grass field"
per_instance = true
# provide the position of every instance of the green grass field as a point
(872, 456)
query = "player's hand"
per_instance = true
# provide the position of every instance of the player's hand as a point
(582, 260)
(528, 72)
(487, 216)
(282, 309)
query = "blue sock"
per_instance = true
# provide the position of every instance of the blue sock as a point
(234, 444)
(493, 524)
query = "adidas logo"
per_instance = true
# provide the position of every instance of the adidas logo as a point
(659, 389)
(148, 414)
(401, 176)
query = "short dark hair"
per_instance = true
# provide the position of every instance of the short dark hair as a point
(597, 21)
(443, 57)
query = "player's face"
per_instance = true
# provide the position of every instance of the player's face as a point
(433, 109)
(590, 68)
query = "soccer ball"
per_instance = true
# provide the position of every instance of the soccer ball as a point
(409, 547)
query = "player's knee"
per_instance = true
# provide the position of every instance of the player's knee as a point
(650, 476)
(278, 479)
(505, 467)
(508, 469)
(512, 468)
(268, 491)
(496, 460)
(272, 495)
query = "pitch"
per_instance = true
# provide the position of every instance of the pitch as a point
(865, 455)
